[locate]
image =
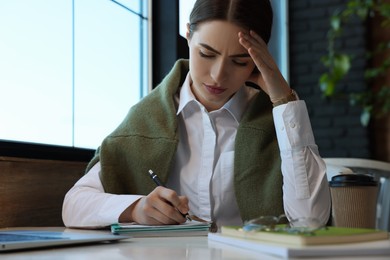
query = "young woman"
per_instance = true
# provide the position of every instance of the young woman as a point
(227, 152)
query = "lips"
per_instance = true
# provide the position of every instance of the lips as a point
(214, 89)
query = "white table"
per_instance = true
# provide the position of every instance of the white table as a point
(162, 248)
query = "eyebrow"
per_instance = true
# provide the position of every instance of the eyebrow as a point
(241, 55)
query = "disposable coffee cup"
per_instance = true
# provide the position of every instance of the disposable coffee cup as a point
(354, 200)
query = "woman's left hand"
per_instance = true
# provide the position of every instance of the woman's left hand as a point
(270, 79)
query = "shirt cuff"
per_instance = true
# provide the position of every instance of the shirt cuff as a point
(292, 124)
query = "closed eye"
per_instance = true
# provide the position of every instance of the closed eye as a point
(240, 63)
(204, 55)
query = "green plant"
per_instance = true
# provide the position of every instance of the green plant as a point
(338, 62)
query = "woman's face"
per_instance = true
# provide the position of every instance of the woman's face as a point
(219, 64)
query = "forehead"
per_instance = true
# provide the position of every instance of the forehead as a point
(221, 35)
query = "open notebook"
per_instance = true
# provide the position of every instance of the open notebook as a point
(27, 239)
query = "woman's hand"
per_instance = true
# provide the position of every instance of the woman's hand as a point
(160, 207)
(270, 79)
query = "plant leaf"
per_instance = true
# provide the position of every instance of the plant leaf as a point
(327, 85)
(365, 116)
(342, 64)
(335, 22)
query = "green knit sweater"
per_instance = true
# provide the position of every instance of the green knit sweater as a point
(148, 138)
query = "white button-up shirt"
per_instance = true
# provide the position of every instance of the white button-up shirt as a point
(203, 169)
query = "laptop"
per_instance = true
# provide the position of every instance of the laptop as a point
(13, 240)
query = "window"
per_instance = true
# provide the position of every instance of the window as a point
(278, 44)
(70, 69)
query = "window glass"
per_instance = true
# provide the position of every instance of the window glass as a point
(35, 67)
(131, 4)
(70, 70)
(107, 68)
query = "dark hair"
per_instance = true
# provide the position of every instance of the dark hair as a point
(253, 15)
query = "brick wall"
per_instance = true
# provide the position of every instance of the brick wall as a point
(335, 123)
(380, 129)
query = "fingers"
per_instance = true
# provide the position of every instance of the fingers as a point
(270, 79)
(254, 46)
(253, 41)
(172, 205)
(183, 205)
(258, 50)
(161, 206)
(249, 45)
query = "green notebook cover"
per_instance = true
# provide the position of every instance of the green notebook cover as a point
(328, 235)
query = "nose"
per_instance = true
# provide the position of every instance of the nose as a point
(219, 71)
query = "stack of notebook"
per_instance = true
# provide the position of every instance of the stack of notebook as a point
(330, 241)
(189, 228)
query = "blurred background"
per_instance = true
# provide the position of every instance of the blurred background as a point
(71, 69)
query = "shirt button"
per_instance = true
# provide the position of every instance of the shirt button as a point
(292, 125)
(282, 128)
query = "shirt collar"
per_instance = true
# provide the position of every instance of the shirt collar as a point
(186, 95)
(235, 106)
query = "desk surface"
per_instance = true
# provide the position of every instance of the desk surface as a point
(147, 248)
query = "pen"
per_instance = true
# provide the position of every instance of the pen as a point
(158, 182)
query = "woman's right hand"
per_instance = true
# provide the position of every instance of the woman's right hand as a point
(160, 207)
